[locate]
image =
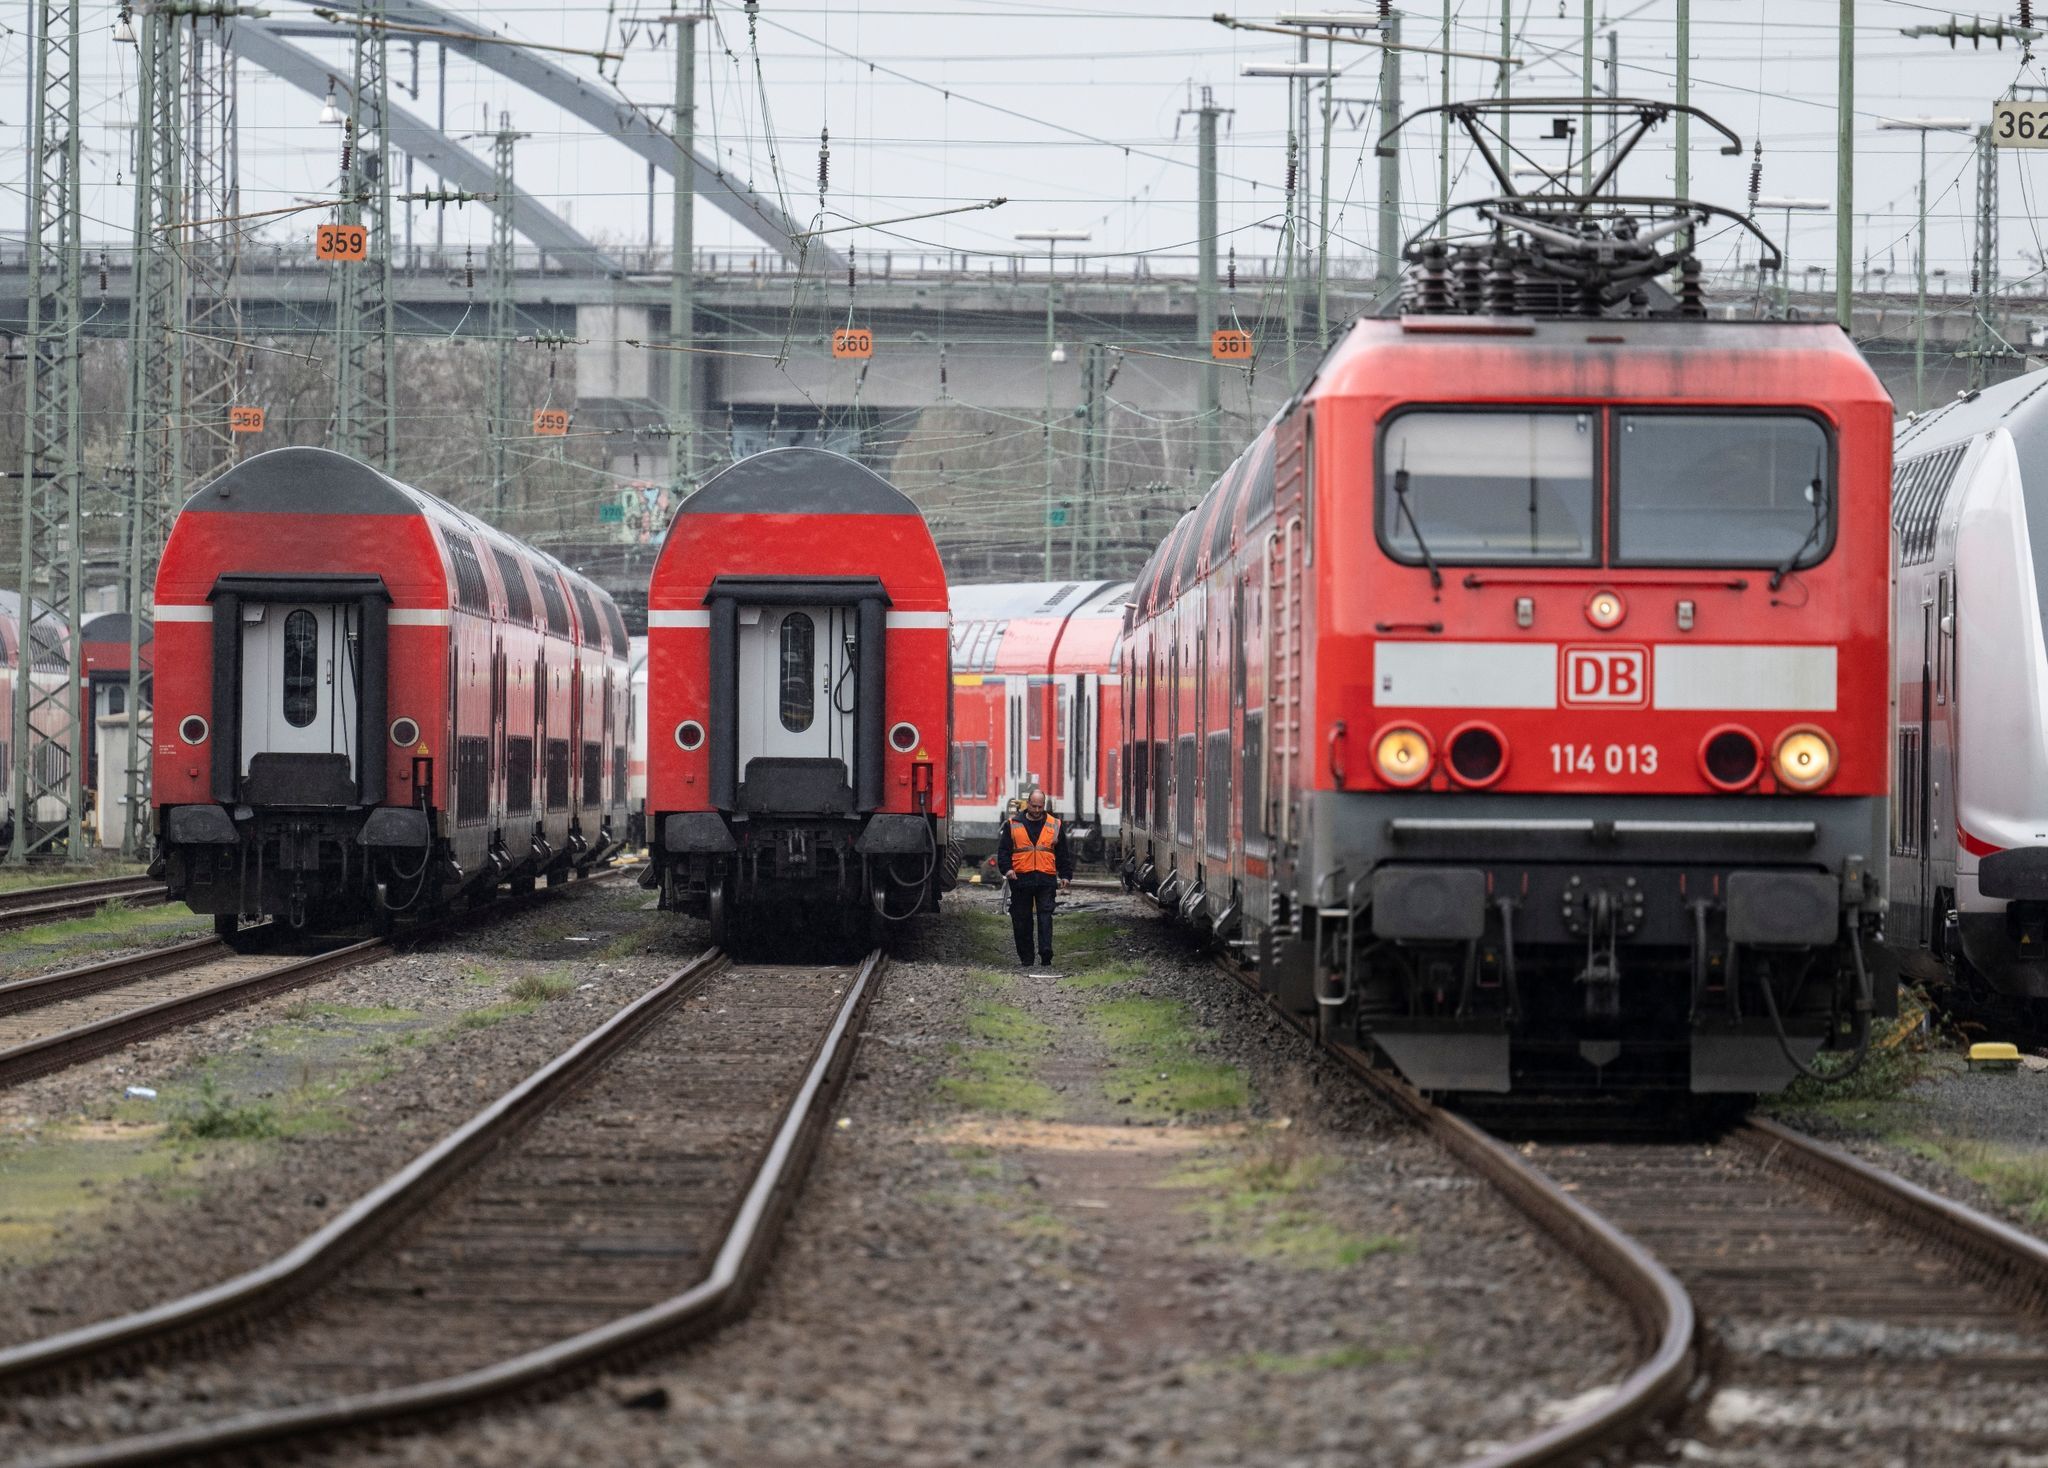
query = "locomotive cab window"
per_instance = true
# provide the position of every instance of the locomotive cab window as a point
(1480, 487)
(1721, 489)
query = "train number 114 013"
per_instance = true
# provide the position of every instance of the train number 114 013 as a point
(1612, 759)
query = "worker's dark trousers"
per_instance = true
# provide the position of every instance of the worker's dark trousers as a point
(1029, 895)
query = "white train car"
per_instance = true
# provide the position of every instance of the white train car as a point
(1969, 838)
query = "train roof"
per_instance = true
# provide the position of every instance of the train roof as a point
(798, 514)
(1508, 358)
(2019, 405)
(303, 480)
(796, 481)
(1008, 601)
(1027, 626)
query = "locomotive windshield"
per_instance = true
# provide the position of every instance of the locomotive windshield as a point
(1479, 485)
(1720, 489)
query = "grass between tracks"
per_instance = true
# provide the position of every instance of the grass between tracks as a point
(19, 879)
(116, 927)
(296, 1078)
(1257, 1187)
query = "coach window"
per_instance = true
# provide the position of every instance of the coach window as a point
(1476, 486)
(798, 672)
(301, 668)
(1721, 489)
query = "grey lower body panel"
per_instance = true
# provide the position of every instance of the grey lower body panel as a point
(1492, 942)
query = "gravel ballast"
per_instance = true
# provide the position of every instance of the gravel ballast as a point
(320, 1093)
(1123, 1218)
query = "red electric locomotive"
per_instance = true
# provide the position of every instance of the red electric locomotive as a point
(798, 702)
(369, 703)
(1519, 699)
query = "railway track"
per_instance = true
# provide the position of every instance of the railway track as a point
(28, 906)
(624, 1196)
(1792, 1303)
(1852, 1316)
(59, 1020)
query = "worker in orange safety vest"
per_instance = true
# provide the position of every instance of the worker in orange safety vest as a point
(1033, 855)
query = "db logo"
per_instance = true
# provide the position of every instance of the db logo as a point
(1609, 676)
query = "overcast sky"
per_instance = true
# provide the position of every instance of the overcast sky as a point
(1073, 111)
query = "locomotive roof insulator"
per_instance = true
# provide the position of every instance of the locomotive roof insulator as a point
(1560, 251)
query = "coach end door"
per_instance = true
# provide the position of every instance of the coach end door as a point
(300, 686)
(797, 677)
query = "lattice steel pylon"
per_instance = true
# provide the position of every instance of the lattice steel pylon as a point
(156, 354)
(503, 322)
(1984, 343)
(216, 360)
(365, 416)
(48, 766)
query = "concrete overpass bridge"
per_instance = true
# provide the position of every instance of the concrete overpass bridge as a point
(960, 360)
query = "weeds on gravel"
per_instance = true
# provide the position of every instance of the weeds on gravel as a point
(630, 945)
(353, 1014)
(1008, 1026)
(988, 937)
(1263, 1204)
(999, 1082)
(539, 988)
(1107, 977)
(1156, 1068)
(490, 1014)
(218, 1117)
(20, 879)
(997, 1068)
(2017, 1179)
(116, 919)
(1888, 1072)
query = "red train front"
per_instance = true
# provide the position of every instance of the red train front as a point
(368, 703)
(1519, 698)
(798, 694)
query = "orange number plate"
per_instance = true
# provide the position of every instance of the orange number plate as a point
(1231, 346)
(245, 420)
(341, 242)
(855, 342)
(550, 422)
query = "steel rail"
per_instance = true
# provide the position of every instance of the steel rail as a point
(742, 1255)
(2012, 1263)
(58, 901)
(86, 1042)
(70, 983)
(1658, 1305)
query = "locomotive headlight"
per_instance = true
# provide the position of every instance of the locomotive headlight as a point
(1605, 609)
(1804, 759)
(1402, 755)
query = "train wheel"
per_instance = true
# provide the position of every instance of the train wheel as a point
(383, 921)
(878, 922)
(716, 906)
(224, 925)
